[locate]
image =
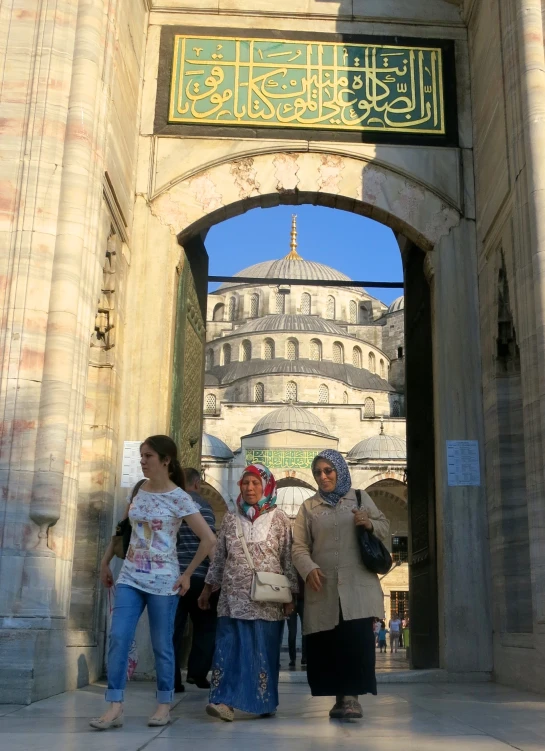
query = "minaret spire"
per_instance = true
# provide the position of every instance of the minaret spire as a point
(293, 255)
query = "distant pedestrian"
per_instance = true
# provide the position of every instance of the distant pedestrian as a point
(203, 621)
(376, 629)
(150, 576)
(246, 664)
(382, 637)
(395, 629)
(341, 595)
(298, 614)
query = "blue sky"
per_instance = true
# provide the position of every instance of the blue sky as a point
(359, 247)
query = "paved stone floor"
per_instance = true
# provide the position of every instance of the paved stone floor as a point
(418, 717)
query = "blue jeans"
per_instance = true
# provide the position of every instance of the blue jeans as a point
(128, 607)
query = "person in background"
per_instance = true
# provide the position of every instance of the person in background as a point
(382, 636)
(376, 629)
(246, 663)
(204, 621)
(292, 627)
(150, 576)
(395, 627)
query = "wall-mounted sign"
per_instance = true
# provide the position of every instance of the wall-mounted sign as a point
(463, 465)
(282, 458)
(131, 471)
(311, 85)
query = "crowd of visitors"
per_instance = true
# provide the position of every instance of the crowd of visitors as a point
(240, 589)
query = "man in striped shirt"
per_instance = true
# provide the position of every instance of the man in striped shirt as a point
(204, 621)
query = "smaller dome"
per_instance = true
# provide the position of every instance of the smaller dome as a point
(291, 417)
(291, 498)
(397, 305)
(378, 448)
(215, 448)
(291, 323)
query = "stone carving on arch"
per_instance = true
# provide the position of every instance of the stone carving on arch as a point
(406, 205)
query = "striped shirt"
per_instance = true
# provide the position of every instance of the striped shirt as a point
(188, 542)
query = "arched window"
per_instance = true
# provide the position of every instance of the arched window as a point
(292, 349)
(280, 303)
(245, 350)
(232, 309)
(259, 393)
(357, 357)
(345, 397)
(396, 409)
(382, 369)
(219, 312)
(209, 359)
(226, 354)
(330, 308)
(291, 391)
(315, 349)
(353, 311)
(338, 352)
(369, 407)
(305, 304)
(372, 363)
(254, 306)
(210, 404)
(268, 349)
(323, 394)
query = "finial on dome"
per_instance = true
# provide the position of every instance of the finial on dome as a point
(293, 255)
(382, 426)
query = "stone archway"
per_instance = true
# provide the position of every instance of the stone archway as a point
(409, 192)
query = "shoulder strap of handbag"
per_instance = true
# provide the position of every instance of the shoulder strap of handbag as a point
(358, 496)
(137, 488)
(240, 535)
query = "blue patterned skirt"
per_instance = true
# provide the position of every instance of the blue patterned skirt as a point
(246, 665)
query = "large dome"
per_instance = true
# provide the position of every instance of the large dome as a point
(279, 322)
(290, 268)
(291, 498)
(291, 417)
(379, 447)
(215, 448)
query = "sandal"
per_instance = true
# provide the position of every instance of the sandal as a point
(337, 710)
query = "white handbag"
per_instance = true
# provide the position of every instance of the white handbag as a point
(266, 586)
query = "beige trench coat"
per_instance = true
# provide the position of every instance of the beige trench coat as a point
(324, 537)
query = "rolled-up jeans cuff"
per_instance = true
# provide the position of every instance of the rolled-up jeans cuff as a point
(115, 694)
(164, 697)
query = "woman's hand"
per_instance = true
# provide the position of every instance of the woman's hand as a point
(106, 576)
(204, 600)
(289, 607)
(314, 579)
(182, 584)
(361, 519)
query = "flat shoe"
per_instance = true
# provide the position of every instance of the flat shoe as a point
(337, 711)
(221, 711)
(352, 710)
(98, 724)
(158, 722)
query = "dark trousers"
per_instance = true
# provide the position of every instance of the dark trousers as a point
(204, 631)
(292, 632)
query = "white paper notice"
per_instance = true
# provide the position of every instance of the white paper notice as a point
(131, 471)
(463, 463)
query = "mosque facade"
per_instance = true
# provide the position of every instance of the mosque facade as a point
(293, 369)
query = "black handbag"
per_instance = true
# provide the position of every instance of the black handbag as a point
(123, 530)
(374, 554)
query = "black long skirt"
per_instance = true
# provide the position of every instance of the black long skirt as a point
(341, 662)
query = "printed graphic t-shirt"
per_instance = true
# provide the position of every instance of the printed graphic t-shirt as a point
(151, 563)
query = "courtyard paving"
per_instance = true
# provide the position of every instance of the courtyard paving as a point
(417, 717)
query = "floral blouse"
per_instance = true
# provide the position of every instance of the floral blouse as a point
(269, 543)
(152, 562)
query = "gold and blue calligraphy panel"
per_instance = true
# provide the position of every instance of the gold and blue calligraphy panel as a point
(281, 458)
(291, 84)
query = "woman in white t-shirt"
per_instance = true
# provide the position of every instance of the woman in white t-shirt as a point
(150, 576)
(395, 632)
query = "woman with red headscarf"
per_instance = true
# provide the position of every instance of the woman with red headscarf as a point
(249, 633)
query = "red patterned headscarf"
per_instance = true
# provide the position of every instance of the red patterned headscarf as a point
(268, 501)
